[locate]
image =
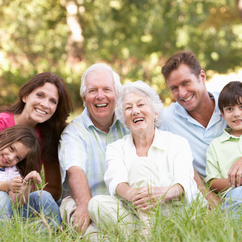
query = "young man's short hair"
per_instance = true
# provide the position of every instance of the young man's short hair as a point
(183, 57)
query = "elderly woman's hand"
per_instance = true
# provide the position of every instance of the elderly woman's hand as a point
(148, 197)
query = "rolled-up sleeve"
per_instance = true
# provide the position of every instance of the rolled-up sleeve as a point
(72, 151)
(183, 168)
(116, 172)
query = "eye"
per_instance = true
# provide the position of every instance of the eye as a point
(228, 109)
(127, 108)
(11, 148)
(53, 101)
(18, 159)
(141, 104)
(186, 82)
(39, 95)
(173, 88)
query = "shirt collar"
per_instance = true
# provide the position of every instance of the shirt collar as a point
(88, 122)
(158, 143)
(183, 112)
(226, 135)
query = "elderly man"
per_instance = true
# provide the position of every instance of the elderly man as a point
(195, 115)
(83, 144)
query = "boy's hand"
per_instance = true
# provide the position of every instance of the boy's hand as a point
(235, 173)
(15, 184)
(33, 176)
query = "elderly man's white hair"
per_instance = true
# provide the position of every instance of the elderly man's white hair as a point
(142, 89)
(102, 68)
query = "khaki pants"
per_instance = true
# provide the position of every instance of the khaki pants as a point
(67, 209)
(143, 172)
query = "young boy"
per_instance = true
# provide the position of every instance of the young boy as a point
(223, 151)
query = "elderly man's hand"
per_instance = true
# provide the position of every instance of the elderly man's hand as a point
(81, 220)
(235, 173)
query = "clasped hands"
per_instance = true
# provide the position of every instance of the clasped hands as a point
(16, 184)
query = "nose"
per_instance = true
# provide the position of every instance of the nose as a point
(44, 103)
(100, 95)
(182, 92)
(237, 112)
(135, 110)
(11, 157)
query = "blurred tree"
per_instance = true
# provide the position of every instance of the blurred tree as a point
(134, 36)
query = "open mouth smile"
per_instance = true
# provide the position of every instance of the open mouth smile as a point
(189, 98)
(40, 111)
(101, 105)
(137, 120)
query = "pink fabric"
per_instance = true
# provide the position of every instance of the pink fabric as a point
(7, 120)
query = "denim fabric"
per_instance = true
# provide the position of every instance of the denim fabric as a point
(5, 206)
(233, 202)
(42, 202)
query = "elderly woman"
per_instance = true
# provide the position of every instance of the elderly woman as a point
(148, 167)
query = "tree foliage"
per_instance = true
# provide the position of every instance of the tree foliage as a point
(134, 36)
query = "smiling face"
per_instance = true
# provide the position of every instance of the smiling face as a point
(187, 89)
(40, 104)
(12, 154)
(100, 97)
(233, 116)
(138, 113)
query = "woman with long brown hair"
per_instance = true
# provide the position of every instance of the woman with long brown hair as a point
(44, 103)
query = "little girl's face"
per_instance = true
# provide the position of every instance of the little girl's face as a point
(12, 154)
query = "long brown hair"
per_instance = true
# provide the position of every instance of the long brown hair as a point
(26, 136)
(51, 129)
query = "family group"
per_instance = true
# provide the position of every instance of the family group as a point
(124, 155)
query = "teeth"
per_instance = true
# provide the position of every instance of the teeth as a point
(39, 111)
(101, 105)
(188, 99)
(138, 119)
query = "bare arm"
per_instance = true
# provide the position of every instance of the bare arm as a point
(13, 185)
(53, 180)
(81, 194)
(212, 199)
(219, 185)
(125, 191)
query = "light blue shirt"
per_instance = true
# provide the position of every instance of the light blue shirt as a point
(178, 121)
(84, 145)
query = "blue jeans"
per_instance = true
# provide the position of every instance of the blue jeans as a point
(5, 206)
(233, 202)
(42, 202)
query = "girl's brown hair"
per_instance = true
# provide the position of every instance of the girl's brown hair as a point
(51, 129)
(26, 136)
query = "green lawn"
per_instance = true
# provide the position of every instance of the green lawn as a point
(195, 224)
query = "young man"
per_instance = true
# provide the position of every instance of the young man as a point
(226, 149)
(83, 144)
(195, 115)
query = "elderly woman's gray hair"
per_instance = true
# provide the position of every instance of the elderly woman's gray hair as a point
(100, 67)
(143, 89)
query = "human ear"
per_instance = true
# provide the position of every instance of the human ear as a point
(84, 100)
(203, 76)
(24, 99)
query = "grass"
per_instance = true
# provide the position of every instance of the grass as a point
(195, 224)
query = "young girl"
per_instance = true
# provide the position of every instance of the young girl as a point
(19, 158)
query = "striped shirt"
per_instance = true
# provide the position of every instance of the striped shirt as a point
(84, 145)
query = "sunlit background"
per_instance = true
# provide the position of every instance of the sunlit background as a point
(135, 37)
